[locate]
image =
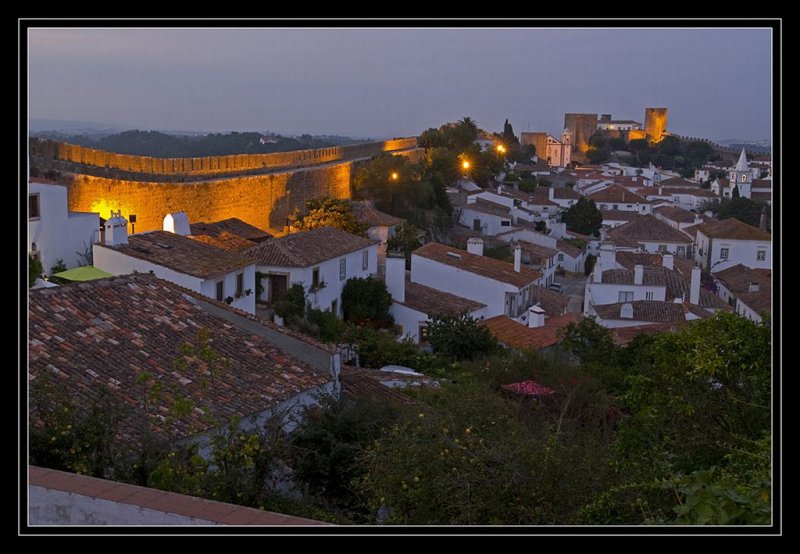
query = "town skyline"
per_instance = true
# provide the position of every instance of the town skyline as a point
(716, 82)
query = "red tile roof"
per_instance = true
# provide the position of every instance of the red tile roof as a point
(232, 225)
(648, 228)
(484, 266)
(158, 500)
(528, 388)
(759, 301)
(363, 383)
(366, 213)
(307, 248)
(181, 254)
(676, 213)
(619, 215)
(537, 251)
(431, 301)
(569, 249)
(520, 336)
(732, 229)
(644, 310)
(623, 336)
(617, 195)
(678, 182)
(226, 241)
(738, 278)
(103, 335)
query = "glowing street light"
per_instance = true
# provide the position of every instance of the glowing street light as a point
(465, 164)
(501, 149)
(395, 176)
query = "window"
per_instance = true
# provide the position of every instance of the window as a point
(761, 255)
(33, 206)
(315, 278)
(544, 208)
(615, 207)
(220, 290)
(560, 257)
(629, 205)
(723, 253)
(423, 334)
(365, 260)
(335, 307)
(625, 296)
(681, 251)
(505, 223)
(239, 284)
(744, 178)
(342, 269)
(648, 295)
(662, 247)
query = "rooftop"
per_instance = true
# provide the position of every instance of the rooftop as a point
(232, 225)
(617, 194)
(644, 310)
(487, 207)
(648, 228)
(307, 248)
(732, 229)
(480, 265)
(103, 335)
(366, 213)
(623, 336)
(226, 241)
(363, 383)
(181, 254)
(536, 250)
(675, 213)
(619, 215)
(759, 301)
(567, 248)
(678, 182)
(738, 278)
(520, 336)
(431, 301)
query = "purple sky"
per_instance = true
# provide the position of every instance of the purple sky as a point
(392, 82)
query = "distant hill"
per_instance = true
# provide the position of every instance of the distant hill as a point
(163, 145)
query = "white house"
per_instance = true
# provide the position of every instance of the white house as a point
(722, 244)
(541, 258)
(413, 304)
(683, 197)
(615, 197)
(55, 233)
(382, 226)
(484, 216)
(504, 288)
(649, 234)
(322, 260)
(213, 272)
(677, 217)
(569, 256)
(737, 279)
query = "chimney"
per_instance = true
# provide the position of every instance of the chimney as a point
(396, 276)
(551, 193)
(668, 261)
(763, 221)
(535, 316)
(626, 311)
(116, 230)
(177, 223)
(499, 189)
(694, 286)
(475, 246)
(754, 287)
(517, 257)
(638, 274)
(697, 219)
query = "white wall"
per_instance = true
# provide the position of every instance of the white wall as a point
(322, 298)
(245, 302)
(490, 224)
(409, 319)
(604, 293)
(739, 252)
(672, 247)
(59, 234)
(743, 310)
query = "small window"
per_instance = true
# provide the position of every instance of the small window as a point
(544, 208)
(335, 307)
(560, 257)
(423, 334)
(744, 178)
(723, 253)
(220, 290)
(662, 247)
(315, 278)
(33, 206)
(625, 296)
(648, 295)
(365, 260)
(505, 223)
(239, 284)
(761, 255)
(342, 269)
(615, 207)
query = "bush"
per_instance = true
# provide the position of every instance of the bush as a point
(460, 337)
(589, 264)
(325, 325)
(34, 270)
(367, 301)
(293, 304)
(59, 267)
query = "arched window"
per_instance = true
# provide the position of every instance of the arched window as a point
(744, 178)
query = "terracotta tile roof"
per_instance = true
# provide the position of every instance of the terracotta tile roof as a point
(676, 213)
(629, 260)
(484, 266)
(569, 249)
(226, 241)
(519, 336)
(644, 310)
(161, 501)
(537, 251)
(232, 225)
(181, 254)
(618, 195)
(619, 215)
(487, 207)
(737, 278)
(552, 302)
(363, 383)
(762, 184)
(541, 197)
(760, 301)
(436, 302)
(366, 213)
(102, 335)
(700, 192)
(307, 248)
(651, 277)
(648, 228)
(724, 182)
(623, 336)
(732, 229)
(765, 196)
(678, 182)
(564, 193)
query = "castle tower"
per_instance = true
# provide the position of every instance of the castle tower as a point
(583, 126)
(740, 175)
(655, 123)
(566, 147)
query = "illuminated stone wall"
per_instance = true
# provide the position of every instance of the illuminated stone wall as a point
(583, 126)
(655, 123)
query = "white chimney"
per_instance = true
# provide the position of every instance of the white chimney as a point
(638, 274)
(177, 223)
(697, 219)
(626, 311)
(116, 230)
(606, 260)
(535, 316)
(668, 261)
(694, 286)
(754, 287)
(517, 257)
(499, 189)
(475, 246)
(396, 277)
(551, 193)
(558, 230)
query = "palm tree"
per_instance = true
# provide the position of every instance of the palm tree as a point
(469, 123)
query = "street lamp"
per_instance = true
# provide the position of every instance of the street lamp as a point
(501, 149)
(465, 164)
(395, 176)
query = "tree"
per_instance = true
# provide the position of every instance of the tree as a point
(527, 185)
(406, 239)
(293, 304)
(509, 138)
(366, 301)
(584, 217)
(743, 209)
(34, 270)
(59, 267)
(735, 192)
(459, 337)
(329, 212)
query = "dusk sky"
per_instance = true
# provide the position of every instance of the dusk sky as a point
(398, 82)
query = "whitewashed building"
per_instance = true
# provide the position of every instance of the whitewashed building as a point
(322, 260)
(649, 234)
(722, 244)
(213, 272)
(54, 232)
